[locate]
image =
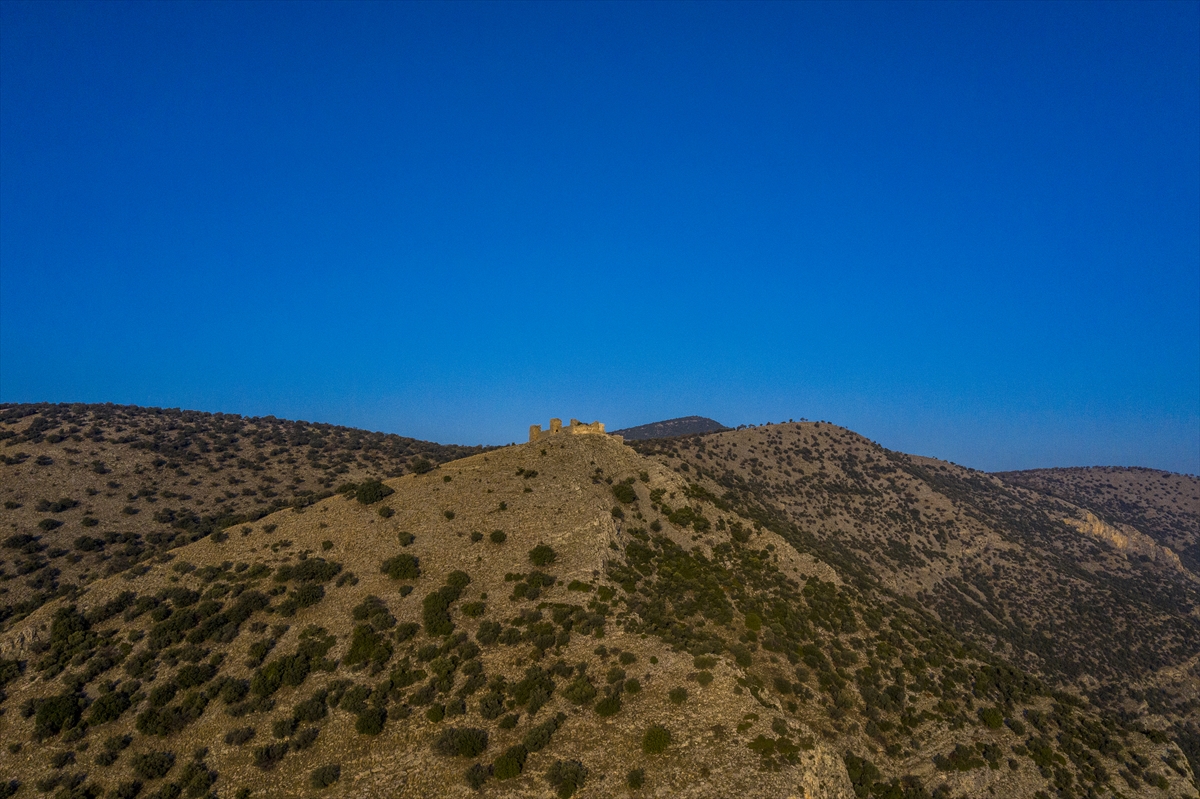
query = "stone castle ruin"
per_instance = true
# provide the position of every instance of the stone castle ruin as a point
(575, 428)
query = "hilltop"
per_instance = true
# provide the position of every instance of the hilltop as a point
(576, 616)
(683, 426)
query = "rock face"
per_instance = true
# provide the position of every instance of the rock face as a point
(1129, 541)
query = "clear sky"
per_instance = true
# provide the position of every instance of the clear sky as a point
(966, 230)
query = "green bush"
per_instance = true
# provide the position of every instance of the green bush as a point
(239, 736)
(386, 512)
(402, 567)
(461, 742)
(678, 695)
(580, 691)
(609, 706)
(152, 765)
(324, 776)
(498, 536)
(542, 555)
(566, 776)
(371, 491)
(55, 714)
(511, 763)
(420, 466)
(477, 775)
(371, 721)
(636, 778)
(624, 493)
(406, 539)
(476, 537)
(991, 717)
(656, 739)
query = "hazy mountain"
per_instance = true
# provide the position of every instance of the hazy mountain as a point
(683, 426)
(778, 611)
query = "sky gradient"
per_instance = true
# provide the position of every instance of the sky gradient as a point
(970, 231)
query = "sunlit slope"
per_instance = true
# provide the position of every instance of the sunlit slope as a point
(1015, 571)
(91, 490)
(566, 617)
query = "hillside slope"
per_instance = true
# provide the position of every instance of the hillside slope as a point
(565, 617)
(1015, 571)
(92, 490)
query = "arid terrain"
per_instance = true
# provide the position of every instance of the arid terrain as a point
(198, 605)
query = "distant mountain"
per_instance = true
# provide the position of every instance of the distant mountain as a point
(683, 426)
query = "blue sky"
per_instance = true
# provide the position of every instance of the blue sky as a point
(964, 230)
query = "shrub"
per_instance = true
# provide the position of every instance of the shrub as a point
(461, 742)
(704, 677)
(152, 765)
(239, 736)
(511, 763)
(324, 776)
(370, 491)
(991, 717)
(491, 706)
(406, 539)
(636, 778)
(477, 775)
(476, 537)
(633, 686)
(49, 524)
(60, 759)
(402, 567)
(538, 738)
(371, 721)
(488, 633)
(624, 493)
(656, 739)
(267, 757)
(678, 695)
(498, 536)
(566, 776)
(449, 514)
(542, 555)
(420, 466)
(386, 512)
(580, 691)
(609, 706)
(55, 714)
(109, 707)
(305, 738)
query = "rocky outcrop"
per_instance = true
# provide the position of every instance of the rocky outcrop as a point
(1128, 540)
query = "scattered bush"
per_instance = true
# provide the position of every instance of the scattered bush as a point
(239, 736)
(324, 776)
(461, 742)
(402, 567)
(152, 765)
(609, 706)
(636, 778)
(656, 739)
(371, 721)
(991, 717)
(498, 536)
(511, 763)
(477, 775)
(624, 493)
(566, 776)
(542, 555)
(370, 491)
(678, 695)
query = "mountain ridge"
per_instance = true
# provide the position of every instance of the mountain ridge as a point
(577, 616)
